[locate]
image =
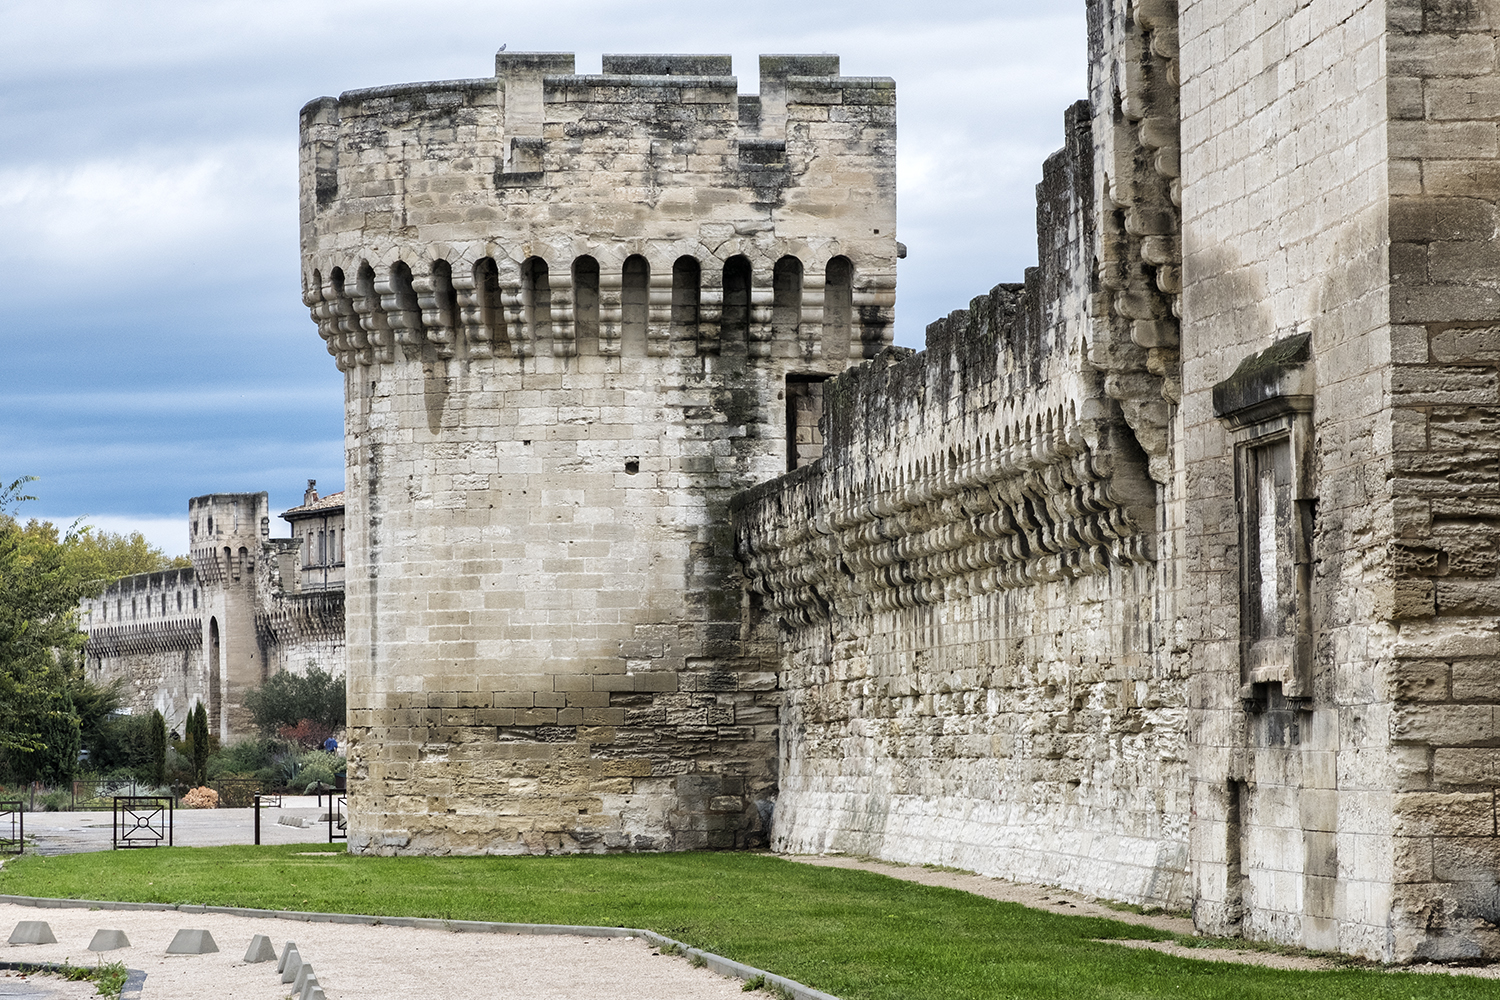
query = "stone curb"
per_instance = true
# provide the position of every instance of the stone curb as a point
(718, 963)
(134, 978)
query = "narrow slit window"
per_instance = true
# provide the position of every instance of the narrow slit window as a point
(687, 279)
(838, 308)
(586, 303)
(536, 302)
(635, 298)
(786, 300)
(735, 328)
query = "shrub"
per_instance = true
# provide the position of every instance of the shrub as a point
(316, 775)
(306, 733)
(287, 699)
(123, 743)
(197, 743)
(246, 758)
(157, 743)
(179, 768)
(201, 798)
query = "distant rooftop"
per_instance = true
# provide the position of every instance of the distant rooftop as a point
(321, 505)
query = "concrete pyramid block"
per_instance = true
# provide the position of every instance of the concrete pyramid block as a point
(315, 993)
(286, 953)
(192, 942)
(108, 940)
(299, 982)
(293, 964)
(260, 950)
(32, 932)
(309, 988)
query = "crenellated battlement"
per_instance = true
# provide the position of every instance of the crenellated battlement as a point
(648, 210)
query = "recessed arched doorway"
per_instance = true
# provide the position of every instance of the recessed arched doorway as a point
(213, 673)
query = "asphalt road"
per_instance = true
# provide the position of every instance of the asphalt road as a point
(77, 832)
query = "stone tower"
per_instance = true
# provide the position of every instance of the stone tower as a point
(225, 532)
(575, 315)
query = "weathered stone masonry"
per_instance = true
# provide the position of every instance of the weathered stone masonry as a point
(1170, 575)
(966, 580)
(210, 633)
(573, 313)
(1293, 306)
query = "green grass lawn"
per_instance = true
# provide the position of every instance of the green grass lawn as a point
(857, 935)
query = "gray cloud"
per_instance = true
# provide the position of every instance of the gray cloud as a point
(148, 199)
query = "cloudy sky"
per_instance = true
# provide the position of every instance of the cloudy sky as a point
(155, 345)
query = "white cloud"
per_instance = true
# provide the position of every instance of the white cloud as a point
(149, 212)
(120, 217)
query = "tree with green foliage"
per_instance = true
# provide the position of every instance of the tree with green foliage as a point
(95, 557)
(197, 741)
(40, 730)
(158, 762)
(48, 709)
(287, 699)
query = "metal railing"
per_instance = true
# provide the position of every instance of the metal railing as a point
(338, 818)
(101, 790)
(142, 821)
(12, 826)
(264, 800)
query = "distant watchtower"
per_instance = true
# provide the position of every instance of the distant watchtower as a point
(576, 314)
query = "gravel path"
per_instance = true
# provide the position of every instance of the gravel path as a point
(357, 962)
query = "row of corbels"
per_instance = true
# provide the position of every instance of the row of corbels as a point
(487, 312)
(1036, 526)
(146, 637)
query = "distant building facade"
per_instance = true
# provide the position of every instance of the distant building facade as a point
(250, 607)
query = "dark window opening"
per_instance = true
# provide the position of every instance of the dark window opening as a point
(586, 304)
(635, 302)
(735, 325)
(804, 413)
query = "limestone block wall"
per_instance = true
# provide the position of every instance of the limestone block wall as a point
(1292, 225)
(147, 630)
(965, 580)
(1443, 95)
(568, 308)
(210, 633)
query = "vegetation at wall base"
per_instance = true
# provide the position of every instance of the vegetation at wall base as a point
(304, 707)
(198, 746)
(854, 934)
(48, 710)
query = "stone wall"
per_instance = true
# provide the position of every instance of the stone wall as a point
(147, 631)
(1443, 95)
(964, 582)
(568, 309)
(1284, 217)
(210, 633)
(1335, 187)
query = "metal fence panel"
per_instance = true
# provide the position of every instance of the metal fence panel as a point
(142, 821)
(12, 826)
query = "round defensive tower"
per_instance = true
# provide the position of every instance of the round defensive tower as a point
(576, 314)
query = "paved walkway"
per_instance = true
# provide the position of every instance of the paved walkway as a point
(358, 961)
(76, 832)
